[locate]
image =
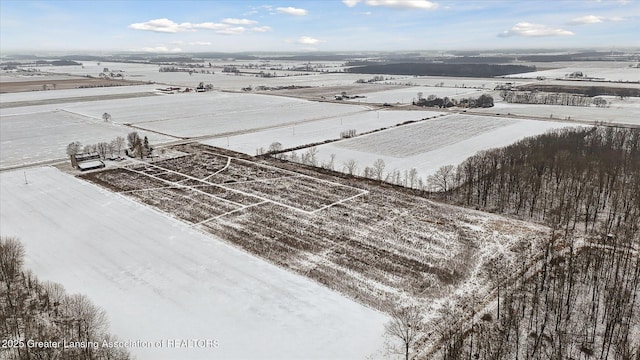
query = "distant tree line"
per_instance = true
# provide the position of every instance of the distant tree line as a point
(535, 97)
(439, 69)
(483, 101)
(189, 70)
(622, 92)
(31, 310)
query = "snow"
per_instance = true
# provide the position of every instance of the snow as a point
(317, 131)
(159, 279)
(625, 111)
(213, 113)
(613, 71)
(75, 93)
(408, 95)
(431, 144)
(41, 136)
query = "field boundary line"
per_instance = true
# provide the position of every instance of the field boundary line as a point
(364, 192)
(218, 185)
(297, 174)
(265, 180)
(230, 212)
(186, 187)
(221, 170)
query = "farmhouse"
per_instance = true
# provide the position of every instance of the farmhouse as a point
(84, 162)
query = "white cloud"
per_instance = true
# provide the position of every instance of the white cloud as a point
(226, 27)
(231, 31)
(533, 30)
(210, 26)
(350, 3)
(261, 29)
(292, 11)
(239, 21)
(162, 25)
(307, 40)
(592, 19)
(400, 4)
(589, 19)
(200, 43)
(162, 49)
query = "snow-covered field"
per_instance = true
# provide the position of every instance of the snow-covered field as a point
(214, 113)
(76, 93)
(159, 279)
(317, 131)
(613, 71)
(408, 95)
(33, 137)
(430, 144)
(625, 111)
(224, 81)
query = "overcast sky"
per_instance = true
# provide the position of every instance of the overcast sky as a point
(320, 25)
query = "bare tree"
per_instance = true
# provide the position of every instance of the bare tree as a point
(132, 139)
(118, 143)
(443, 178)
(74, 148)
(351, 166)
(405, 324)
(378, 168)
(102, 148)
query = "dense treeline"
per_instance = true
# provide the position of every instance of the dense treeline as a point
(581, 303)
(438, 69)
(623, 92)
(580, 299)
(565, 178)
(535, 97)
(38, 320)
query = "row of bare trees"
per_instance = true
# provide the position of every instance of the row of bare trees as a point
(535, 97)
(136, 147)
(33, 312)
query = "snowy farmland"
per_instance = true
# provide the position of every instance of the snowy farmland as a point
(157, 278)
(327, 228)
(29, 138)
(430, 144)
(318, 131)
(625, 111)
(77, 94)
(408, 95)
(223, 81)
(209, 114)
(620, 72)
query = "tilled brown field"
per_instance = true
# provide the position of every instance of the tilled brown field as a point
(377, 244)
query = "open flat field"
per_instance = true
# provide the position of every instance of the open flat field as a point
(330, 229)
(410, 94)
(430, 144)
(75, 94)
(318, 131)
(216, 113)
(41, 136)
(158, 278)
(625, 111)
(612, 71)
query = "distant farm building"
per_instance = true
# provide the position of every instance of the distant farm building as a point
(84, 162)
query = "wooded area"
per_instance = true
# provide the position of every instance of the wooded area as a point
(580, 300)
(39, 320)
